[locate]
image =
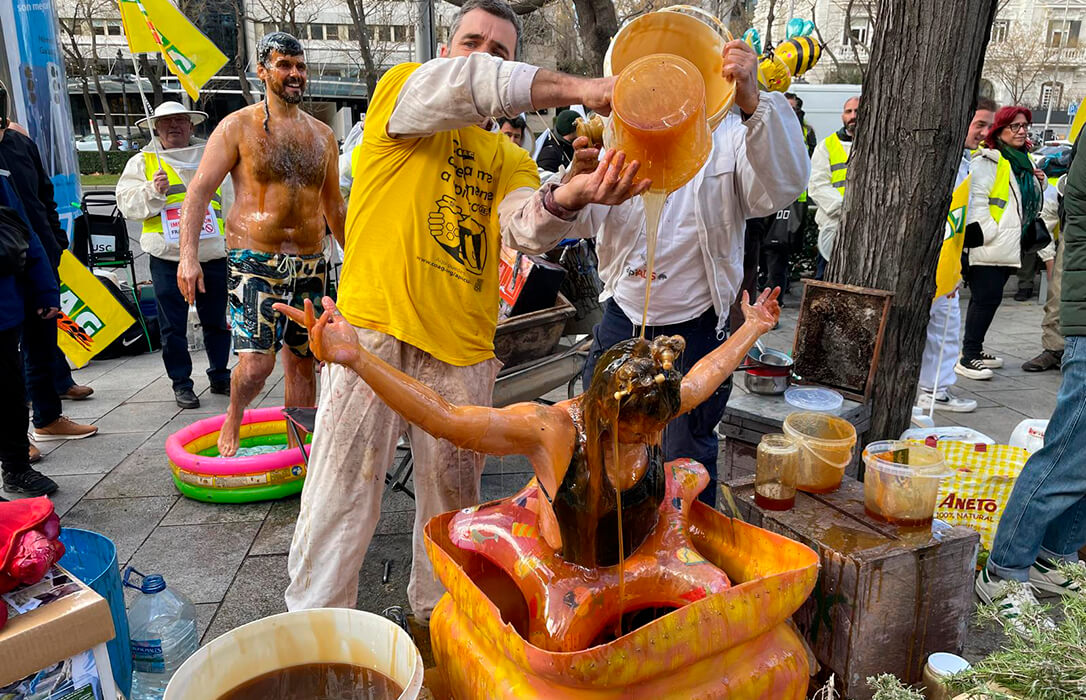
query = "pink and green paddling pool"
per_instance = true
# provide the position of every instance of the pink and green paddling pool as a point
(265, 468)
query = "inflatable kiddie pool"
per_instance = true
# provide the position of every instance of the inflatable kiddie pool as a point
(201, 474)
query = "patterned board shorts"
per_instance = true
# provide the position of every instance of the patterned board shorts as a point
(255, 281)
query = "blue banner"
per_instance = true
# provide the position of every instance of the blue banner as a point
(39, 94)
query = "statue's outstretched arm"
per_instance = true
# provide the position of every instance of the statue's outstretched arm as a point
(713, 369)
(545, 434)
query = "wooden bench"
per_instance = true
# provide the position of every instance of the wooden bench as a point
(886, 597)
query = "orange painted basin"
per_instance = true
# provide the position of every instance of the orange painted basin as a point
(734, 643)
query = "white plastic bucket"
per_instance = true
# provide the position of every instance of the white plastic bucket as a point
(327, 635)
(1029, 434)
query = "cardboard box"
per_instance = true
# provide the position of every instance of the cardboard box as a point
(56, 631)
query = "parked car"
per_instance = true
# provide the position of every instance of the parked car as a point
(87, 143)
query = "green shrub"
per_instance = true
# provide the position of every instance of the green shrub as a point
(90, 163)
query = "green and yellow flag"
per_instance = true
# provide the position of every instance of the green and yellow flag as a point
(157, 26)
(90, 318)
(949, 271)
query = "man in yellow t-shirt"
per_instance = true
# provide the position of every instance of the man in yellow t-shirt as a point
(434, 197)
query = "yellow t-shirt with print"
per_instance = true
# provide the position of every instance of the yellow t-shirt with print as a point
(423, 240)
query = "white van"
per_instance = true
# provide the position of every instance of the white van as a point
(823, 105)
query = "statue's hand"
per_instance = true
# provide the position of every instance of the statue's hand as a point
(764, 313)
(332, 338)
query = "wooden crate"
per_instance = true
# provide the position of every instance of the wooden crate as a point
(886, 597)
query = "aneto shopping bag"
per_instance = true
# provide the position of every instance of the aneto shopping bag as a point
(977, 492)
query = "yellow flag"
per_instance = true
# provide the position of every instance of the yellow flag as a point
(90, 318)
(156, 26)
(949, 271)
(1080, 119)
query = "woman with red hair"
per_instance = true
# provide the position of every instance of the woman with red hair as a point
(1004, 200)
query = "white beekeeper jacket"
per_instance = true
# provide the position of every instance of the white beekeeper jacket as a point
(138, 199)
(755, 168)
(829, 199)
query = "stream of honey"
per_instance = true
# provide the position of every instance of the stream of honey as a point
(618, 512)
(654, 207)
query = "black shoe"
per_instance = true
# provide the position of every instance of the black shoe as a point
(222, 388)
(186, 398)
(1048, 359)
(30, 482)
(1023, 294)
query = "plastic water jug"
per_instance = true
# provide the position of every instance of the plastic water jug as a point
(195, 331)
(162, 627)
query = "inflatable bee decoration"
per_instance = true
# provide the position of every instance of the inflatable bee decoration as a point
(789, 59)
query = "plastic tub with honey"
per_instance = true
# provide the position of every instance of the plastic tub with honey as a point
(659, 120)
(901, 481)
(826, 444)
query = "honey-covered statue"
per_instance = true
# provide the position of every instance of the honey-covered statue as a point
(602, 577)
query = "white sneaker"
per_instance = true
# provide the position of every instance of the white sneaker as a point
(990, 361)
(973, 369)
(945, 401)
(1015, 600)
(1044, 575)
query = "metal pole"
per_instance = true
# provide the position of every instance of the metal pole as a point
(424, 32)
(124, 98)
(1056, 72)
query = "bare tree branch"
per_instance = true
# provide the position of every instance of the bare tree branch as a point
(1021, 60)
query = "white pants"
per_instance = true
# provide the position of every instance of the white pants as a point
(944, 331)
(353, 445)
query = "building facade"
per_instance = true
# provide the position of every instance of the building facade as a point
(337, 78)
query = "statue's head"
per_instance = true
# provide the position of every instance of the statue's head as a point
(639, 378)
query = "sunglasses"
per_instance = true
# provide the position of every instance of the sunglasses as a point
(1015, 128)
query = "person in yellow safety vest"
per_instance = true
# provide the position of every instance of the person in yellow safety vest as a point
(829, 166)
(1052, 341)
(1004, 200)
(151, 191)
(943, 343)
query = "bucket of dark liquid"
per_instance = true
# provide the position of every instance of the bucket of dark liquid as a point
(327, 654)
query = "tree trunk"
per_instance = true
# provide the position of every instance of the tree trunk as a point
(596, 23)
(94, 122)
(241, 60)
(107, 113)
(770, 18)
(154, 76)
(370, 69)
(901, 173)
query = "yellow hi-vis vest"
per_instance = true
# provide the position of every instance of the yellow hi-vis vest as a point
(1000, 193)
(838, 161)
(175, 193)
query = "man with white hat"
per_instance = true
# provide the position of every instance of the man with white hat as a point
(152, 190)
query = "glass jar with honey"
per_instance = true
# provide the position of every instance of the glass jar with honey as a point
(775, 472)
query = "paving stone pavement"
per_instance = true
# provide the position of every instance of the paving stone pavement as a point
(231, 559)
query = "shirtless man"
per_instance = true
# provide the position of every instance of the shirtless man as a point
(283, 163)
